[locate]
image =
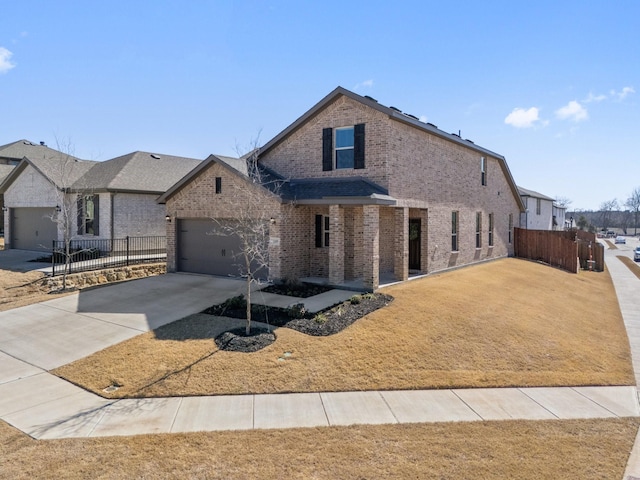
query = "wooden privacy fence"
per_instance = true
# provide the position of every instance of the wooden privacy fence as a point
(568, 250)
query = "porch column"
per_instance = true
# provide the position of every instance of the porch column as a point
(401, 250)
(336, 245)
(371, 246)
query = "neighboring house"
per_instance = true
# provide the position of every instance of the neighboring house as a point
(10, 156)
(106, 200)
(376, 194)
(541, 212)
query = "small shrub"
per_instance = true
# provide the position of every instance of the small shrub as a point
(297, 311)
(320, 318)
(355, 300)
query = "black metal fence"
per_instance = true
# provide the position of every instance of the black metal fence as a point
(88, 254)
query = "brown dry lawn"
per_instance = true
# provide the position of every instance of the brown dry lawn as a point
(504, 323)
(584, 449)
(630, 264)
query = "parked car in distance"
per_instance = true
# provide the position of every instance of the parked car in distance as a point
(636, 254)
(620, 239)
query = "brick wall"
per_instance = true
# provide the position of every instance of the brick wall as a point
(199, 199)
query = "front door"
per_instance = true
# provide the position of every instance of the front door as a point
(414, 244)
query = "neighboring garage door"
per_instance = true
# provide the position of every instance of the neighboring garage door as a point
(32, 228)
(201, 252)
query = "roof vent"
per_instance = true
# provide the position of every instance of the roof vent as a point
(456, 134)
(396, 109)
(153, 155)
(431, 124)
(412, 116)
(43, 144)
(27, 143)
(371, 98)
(468, 140)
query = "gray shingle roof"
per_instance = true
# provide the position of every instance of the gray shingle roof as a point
(5, 170)
(24, 148)
(530, 193)
(137, 171)
(320, 188)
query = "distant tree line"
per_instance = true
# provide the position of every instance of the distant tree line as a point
(622, 215)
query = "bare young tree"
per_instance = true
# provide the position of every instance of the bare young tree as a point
(256, 208)
(62, 172)
(606, 212)
(563, 202)
(633, 204)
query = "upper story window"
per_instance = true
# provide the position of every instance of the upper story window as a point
(88, 215)
(483, 170)
(218, 184)
(343, 147)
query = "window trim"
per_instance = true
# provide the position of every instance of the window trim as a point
(350, 147)
(323, 231)
(455, 229)
(491, 222)
(82, 219)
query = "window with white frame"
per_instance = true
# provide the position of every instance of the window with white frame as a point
(88, 217)
(483, 171)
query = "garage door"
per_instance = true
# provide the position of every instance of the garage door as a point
(32, 228)
(200, 251)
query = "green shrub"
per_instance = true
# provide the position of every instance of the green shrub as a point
(356, 299)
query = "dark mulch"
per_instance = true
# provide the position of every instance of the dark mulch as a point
(301, 290)
(327, 322)
(237, 341)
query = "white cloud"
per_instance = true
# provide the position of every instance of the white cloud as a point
(621, 95)
(5, 60)
(423, 118)
(572, 111)
(594, 98)
(521, 118)
(365, 84)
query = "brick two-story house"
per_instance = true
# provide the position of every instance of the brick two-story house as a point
(369, 195)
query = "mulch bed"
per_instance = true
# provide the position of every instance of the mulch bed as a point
(327, 322)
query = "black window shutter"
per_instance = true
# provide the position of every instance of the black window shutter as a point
(96, 214)
(327, 149)
(318, 231)
(80, 205)
(358, 146)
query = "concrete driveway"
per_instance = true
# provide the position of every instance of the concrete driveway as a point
(21, 260)
(53, 333)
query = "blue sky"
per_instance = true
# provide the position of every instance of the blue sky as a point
(554, 86)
